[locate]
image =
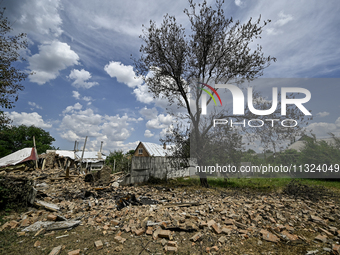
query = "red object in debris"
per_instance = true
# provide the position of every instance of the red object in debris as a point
(17, 157)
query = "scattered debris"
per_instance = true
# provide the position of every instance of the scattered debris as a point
(165, 216)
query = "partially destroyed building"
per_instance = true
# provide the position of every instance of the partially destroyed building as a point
(153, 160)
(90, 160)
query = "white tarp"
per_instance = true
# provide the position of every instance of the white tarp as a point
(18, 157)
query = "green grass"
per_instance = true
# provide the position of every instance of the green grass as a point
(260, 184)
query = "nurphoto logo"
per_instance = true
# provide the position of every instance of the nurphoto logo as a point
(239, 106)
(238, 99)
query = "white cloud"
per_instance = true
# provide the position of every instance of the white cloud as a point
(52, 58)
(28, 119)
(142, 94)
(337, 122)
(322, 129)
(166, 131)
(80, 78)
(148, 133)
(322, 114)
(284, 19)
(76, 94)
(76, 106)
(123, 73)
(273, 31)
(239, 3)
(70, 136)
(87, 99)
(36, 16)
(34, 105)
(77, 124)
(150, 113)
(161, 121)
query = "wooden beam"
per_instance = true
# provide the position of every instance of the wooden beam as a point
(36, 153)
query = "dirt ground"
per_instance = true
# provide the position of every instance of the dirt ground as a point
(83, 237)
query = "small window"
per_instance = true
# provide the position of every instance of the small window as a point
(140, 151)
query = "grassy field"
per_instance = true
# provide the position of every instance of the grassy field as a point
(260, 184)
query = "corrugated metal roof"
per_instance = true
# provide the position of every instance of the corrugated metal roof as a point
(90, 156)
(65, 153)
(18, 157)
(156, 150)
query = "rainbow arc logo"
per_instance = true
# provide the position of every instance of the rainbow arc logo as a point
(204, 98)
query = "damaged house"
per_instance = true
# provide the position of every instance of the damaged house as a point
(18, 159)
(150, 159)
(91, 160)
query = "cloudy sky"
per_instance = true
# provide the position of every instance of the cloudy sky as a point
(83, 82)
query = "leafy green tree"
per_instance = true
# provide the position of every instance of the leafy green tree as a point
(10, 76)
(251, 156)
(215, 50)
(13, 138)
(320, 152)
(119, 161)
(130, 152)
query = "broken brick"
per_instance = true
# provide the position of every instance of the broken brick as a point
(266, 235)
(164, 234)
(170, 249)
(14, 224)
(140, 231)
(75, 252)
(291, 237)
(227, 231)
(216, 228)
(149, 231)
(98, 244)
(196, 237)
(321, 238)
(51, 217)
(55, 250)
(25, 223)
(172, 243)
(119, 239)
(336, 249)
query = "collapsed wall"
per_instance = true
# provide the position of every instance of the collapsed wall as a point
(16, 192)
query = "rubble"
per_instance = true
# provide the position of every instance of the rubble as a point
(16, 191)
(165, 215)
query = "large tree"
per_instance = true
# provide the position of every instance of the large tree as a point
(13, 138)
(216, 50)
(10, 75)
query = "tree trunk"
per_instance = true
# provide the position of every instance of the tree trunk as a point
(203, 180)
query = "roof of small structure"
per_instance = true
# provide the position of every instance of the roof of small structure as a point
(19, 156)
(90, 156)
(156, 150)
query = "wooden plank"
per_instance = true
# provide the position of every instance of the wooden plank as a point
(180, 204)
(36, 153)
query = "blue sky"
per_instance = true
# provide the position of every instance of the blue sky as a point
(84, 78)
